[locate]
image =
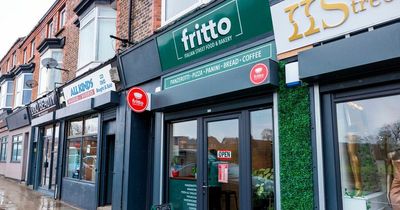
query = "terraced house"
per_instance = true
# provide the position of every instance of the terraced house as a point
(202, 104)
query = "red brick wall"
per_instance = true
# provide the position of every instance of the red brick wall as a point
(146, 18)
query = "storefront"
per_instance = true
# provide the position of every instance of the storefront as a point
(353, 69)
(44, 147)
(4, 148)
(213, 104)
(87, 139)
(18, 124)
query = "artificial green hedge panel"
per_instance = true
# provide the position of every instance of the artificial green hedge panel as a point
(295, 146)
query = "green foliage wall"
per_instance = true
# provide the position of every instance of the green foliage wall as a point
(295, 146)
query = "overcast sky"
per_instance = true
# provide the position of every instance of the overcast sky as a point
(17, 19)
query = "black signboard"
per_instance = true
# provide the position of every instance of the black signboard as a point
(3, 115)
(44, 105)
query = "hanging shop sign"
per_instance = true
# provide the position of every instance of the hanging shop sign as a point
(138, 99)
(224, 26)
(300, 23)
(229, 63)
(43, 105)
(95, 84)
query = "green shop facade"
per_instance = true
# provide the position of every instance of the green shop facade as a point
(222, 130)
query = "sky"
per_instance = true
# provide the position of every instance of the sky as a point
(18, 18)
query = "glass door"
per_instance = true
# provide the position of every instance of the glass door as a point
(222, 177)
(222, 163)
(46, 157)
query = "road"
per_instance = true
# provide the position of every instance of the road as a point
(16, 196)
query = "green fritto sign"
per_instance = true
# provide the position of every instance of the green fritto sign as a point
(223, 26)
(229, 63)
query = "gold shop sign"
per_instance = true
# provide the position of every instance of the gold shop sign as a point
(298, 23)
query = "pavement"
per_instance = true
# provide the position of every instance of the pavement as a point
(17, 196)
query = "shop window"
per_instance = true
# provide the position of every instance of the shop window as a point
(3, 148)
(6, 93)
(173, 9)
(95, 45)
(262, 159)
(16, 151)
(183, 150)
(50, 78)
(23, 93)
(368, 133)
(81, 161)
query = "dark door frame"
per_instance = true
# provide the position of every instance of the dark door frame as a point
(240, 108)
(105, 131)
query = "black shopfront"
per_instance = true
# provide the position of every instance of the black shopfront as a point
(210, 129)
(44, 145)
(355, 86)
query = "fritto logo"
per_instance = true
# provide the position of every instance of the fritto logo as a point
(205, 33)
(137, 99)
(259, 73)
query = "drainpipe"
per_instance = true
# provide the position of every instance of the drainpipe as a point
(131, 4)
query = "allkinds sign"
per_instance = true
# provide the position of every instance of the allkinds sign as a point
(224, 26)
(299, 23)
(229, 63)
(95, 84)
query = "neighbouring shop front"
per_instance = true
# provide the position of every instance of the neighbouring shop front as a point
(44, 145)
(213, 104)
(355, 95)
(87, 139)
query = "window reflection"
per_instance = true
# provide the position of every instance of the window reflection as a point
(262, 160)
(369, 143)
(183, 150)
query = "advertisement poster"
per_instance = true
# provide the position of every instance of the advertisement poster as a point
(223, 172)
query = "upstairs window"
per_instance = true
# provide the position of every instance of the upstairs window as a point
(32, 49)
(61, 18)
(95, 44)
(14, 62)
(50, 29)
(25, 56)
(49, 78)
(23, 93)
(173, 9)
(6, 93)
(9, 64)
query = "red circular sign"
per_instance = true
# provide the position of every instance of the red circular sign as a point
(137, 99)
(259, 73)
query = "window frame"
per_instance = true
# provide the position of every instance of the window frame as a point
(62, 14)
(92, 17)
(14, 59)
(3, 96)
(25, 56)
(16, 140)
(165, 21)
(32, 49)
(19, 93)
(43, 88)
(50, 29)
(3, 149)
(81, 139)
